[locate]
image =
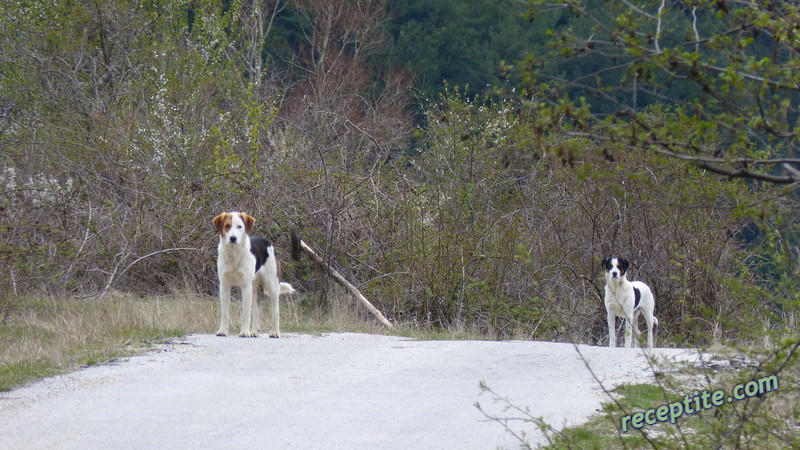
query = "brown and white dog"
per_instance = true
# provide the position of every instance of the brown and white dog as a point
(249, 263)
(626, 299)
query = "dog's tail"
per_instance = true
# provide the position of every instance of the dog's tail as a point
(295, 244)
(655, 321)
(287, 288)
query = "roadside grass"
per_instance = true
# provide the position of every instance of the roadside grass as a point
(41, 337)
(604, 430)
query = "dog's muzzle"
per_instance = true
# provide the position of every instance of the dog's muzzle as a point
(232, 239)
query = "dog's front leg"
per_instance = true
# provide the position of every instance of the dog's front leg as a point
(612, 332)
(224, 307)
(247, 304)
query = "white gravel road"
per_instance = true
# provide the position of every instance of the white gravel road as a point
(333, 391)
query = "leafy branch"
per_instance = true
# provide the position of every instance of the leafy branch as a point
(735, 88)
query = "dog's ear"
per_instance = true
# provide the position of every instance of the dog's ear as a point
(219, 222)
(248, 222)
(623, 263)
(606, 262)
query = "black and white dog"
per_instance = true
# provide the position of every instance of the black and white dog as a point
(626, 299)
(249, 263)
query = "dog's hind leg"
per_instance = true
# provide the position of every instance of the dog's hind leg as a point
(273, 290)
(651, 320)
(628, 331)
(255, 326)
(636, 333)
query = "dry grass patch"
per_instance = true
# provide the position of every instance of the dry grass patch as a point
(44, 336)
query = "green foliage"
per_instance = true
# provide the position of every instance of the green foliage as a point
(126, 132)
(711, 60)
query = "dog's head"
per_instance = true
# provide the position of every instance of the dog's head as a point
(615, 267)
(233, 227)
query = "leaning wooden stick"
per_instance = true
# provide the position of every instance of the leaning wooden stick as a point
(337, 277)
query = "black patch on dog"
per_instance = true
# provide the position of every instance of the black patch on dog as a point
(623, 265)
(637, 295)
(259, 248)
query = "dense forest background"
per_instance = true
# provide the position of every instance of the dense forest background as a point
(424, 147)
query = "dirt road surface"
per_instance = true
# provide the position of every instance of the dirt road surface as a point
(333, 391)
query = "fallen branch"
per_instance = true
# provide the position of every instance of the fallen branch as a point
(337, 277)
